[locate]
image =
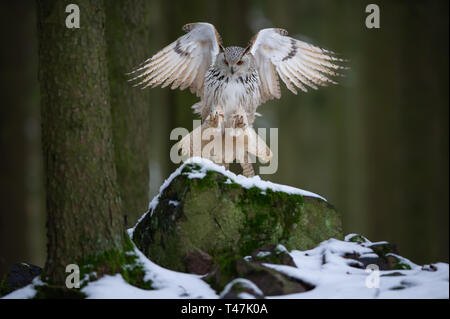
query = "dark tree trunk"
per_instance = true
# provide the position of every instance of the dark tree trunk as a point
(83, 202)
(128, 37)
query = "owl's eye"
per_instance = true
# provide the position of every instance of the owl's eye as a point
(239, 62)
(225, 61)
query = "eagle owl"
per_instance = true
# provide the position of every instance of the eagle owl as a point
(232, 82)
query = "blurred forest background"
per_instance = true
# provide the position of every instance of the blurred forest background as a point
(376, 146)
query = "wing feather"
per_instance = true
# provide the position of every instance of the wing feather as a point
(295, 79)
(176, 74)
(164, 73)
(297, 63)
(182, 63)
(189, 77)
(285, 77)
(183, 75)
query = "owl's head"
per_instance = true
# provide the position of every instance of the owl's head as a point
(235, 60)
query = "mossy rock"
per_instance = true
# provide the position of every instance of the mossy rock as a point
(205, 212)
(122, 261)
(20, 275)
(254, 269)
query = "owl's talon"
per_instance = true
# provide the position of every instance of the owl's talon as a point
(239, 121)
(216, 117)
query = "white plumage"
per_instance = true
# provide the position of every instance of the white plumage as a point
(232, 82)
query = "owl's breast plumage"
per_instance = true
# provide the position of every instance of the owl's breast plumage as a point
(232, 92)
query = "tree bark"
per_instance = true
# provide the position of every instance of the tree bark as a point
(83, 202)
(128, 37)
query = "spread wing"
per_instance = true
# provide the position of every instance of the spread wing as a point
(184, 62)
(299, 64)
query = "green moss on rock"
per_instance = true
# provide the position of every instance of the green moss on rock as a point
(92, 268)
(4, 288)
(357, 239)
(227, 221)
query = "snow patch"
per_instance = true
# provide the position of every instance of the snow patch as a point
(166, 284)
(263, 254)
(246, 182)
(323, 267)
(174, 202)
(26, 292)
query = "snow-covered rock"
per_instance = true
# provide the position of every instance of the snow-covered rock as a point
(219, 215)
(327, 269)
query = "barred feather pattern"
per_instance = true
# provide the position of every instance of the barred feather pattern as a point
(298, 64)
(237, 80)
(231, 93)
(191, 61)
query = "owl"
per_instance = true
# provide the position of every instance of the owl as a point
(232, 82)
(242, 141)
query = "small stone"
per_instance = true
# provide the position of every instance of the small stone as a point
(238, 286)
(271, 254)
(430, 267)
(355, 238)
(383, 249)
(380, 262)
(270, 281)
(198, 262)
(396, 263)
(21, 275)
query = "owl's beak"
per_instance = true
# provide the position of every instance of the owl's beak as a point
(232, 70)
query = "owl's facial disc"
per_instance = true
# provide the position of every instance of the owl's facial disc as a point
(234, 59)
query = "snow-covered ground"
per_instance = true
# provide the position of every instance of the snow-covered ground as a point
(333, 279)
(337, 279)
(323, 267)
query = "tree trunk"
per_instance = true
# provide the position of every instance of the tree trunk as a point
(83, 202)
(128, 37)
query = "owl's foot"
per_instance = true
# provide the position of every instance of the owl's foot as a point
(216, 118)
(240, 120)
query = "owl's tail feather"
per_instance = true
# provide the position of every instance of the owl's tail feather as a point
(254, 145)
(257, 146)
